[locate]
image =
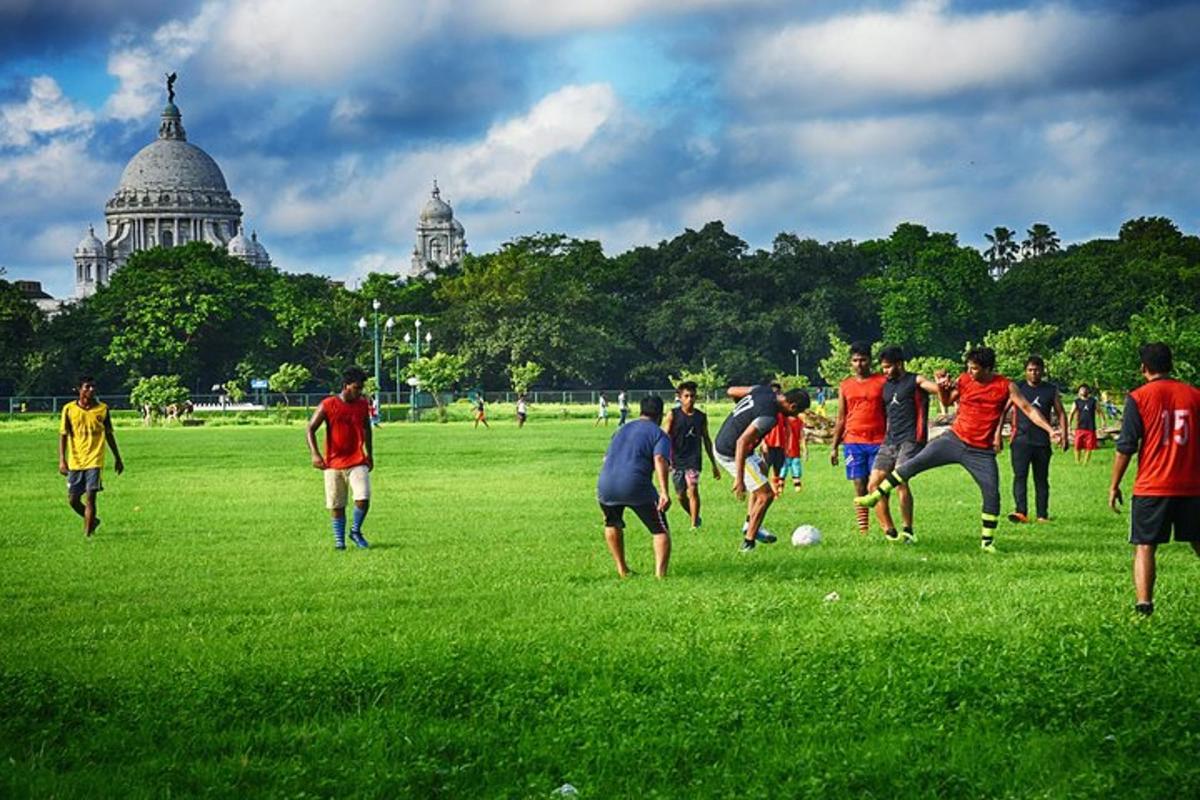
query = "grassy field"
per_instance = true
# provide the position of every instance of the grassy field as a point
(210, 641)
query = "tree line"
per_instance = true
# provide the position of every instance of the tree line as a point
(702, 300)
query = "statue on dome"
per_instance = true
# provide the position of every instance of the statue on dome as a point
(171, 88)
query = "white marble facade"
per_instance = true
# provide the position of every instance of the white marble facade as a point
(441, 240)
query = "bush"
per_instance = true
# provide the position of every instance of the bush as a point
(155, 393)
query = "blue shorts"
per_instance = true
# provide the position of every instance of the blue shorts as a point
(793, 467)
(859, 458)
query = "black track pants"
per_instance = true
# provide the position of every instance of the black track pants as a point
(1025, 456)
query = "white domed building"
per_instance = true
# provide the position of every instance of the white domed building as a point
(441, 239)
(170, 193)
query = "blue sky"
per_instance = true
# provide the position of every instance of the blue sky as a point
(621, 120)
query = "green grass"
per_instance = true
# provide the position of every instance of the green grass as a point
(210, 641)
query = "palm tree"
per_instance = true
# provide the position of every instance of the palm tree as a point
(1003, 251)
(1042, 240)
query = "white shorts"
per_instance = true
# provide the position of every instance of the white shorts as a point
(337, 481)
(756, 470)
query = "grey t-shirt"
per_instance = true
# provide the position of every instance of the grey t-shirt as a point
(757, 408)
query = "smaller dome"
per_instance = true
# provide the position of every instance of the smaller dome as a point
(436, 209)
(90, 245)
(457, 227)
(240, 246)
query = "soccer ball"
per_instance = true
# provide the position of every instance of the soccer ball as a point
(805, 535)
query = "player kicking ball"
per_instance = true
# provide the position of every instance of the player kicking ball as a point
(347, 467)
(972, 441)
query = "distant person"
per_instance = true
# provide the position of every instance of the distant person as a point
(1083, 418)
(1029, 444)
(637, 458)
(773, 448)
(687, 428)
(602, 411)
(522, 410)
(349, 455)
(481, 411)
(84, 428)
(735, 446)
(373, 406)
(622, 407)
(821, 398)
(906, 408)
(1159, 424)
(861, 425)
(795, 451)
(973, 440)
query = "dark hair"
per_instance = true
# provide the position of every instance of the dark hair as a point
(1084, 386)
(353, 375)
(984, 357)
(1037, 361)
(860, 349)
(892, 354)
(1157, 357)
(85, 379)
(798, 398)
(775, 386)
(652, 406)
(688, 386)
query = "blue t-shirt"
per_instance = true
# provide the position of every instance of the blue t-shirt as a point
(627, 475)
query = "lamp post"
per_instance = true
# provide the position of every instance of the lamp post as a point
(796, 355)
(414, 339)
(375, 305)
(388, 326)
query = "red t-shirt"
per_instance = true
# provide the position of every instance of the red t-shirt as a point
(795, 435)
(345, 424)
(980, 406)
(777, 436)
(1169, 458)
(866, 422)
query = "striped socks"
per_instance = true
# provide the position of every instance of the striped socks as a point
(339, 533)
(864, 518)
(359, 515)
(988, 538)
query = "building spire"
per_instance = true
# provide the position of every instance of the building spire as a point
(171, 126)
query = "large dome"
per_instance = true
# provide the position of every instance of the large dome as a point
(172, 164)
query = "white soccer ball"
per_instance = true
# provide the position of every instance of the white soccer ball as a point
(806, 535)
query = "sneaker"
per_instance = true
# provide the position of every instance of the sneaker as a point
(987, 546)
(1017, 518)
(892, 535)
(765, 536)
(908, 537)
(868, 500)
(1043, 520)
(1145, 609)
(359, 541)
(747, 545)
(339, 544)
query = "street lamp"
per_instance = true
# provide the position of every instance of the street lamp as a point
(796, 355)
(375, 305)
(414, 340)
(388, 326)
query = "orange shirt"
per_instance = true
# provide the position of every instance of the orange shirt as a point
(1169, 457)
(795, 435)
(345, 431)
(979, 408)
(866, 422)
(777, 435)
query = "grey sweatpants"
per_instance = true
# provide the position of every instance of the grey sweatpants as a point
(949, 449)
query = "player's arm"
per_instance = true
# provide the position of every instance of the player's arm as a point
(369, 441)
(1016, 398)
(1071, 419)
(111, 438)
(839, 430)
(660, 473)
(63, 435)
(318, 419)
(1062, 419)
(708, 448)
(1128, 442)
(1101, 416)
(745, 446)
(928, 386)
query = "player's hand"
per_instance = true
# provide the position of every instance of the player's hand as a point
(318, 462)
(833, 457)
(1115, 499)
(664, 502)
(62, 468)
(739, 489)
(370, 463)
(942, 378)
(1057, 437)
(119, 466)
(999, 445)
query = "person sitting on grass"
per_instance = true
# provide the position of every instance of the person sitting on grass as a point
(85, 427)
(638, 452)
(973, 440)
(1159, 424)
(347, 420)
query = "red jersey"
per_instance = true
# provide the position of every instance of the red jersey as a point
(866, 422)
(777, 436)
(1162, 414)
(795, 435)
(980, 406)
(345, 426)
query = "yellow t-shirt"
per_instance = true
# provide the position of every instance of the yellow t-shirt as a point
(85, 431)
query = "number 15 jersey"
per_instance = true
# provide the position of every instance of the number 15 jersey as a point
(1162, 415)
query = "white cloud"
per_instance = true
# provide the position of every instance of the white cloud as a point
(58, 174)
(47, 111)
(925, 50)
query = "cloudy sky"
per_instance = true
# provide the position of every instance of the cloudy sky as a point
(622, 120)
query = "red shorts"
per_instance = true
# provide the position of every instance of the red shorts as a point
(1085, 440)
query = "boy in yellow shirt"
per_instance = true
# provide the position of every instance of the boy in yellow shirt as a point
(86, 426)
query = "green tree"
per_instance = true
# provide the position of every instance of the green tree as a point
(235, 391)
(438, 374)
(20, 321)
(154, 393)
(524, 376)
(708, 379)
(1178, 326)
(1103, 359)
(1040, 240)
(835, 367)
(1014, 344)
(1003, 251)
(288, 378)
(789, 381)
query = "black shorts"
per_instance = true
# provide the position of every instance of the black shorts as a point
(82, 481)
(654, 520)
(1151, 519)
(891, 456)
